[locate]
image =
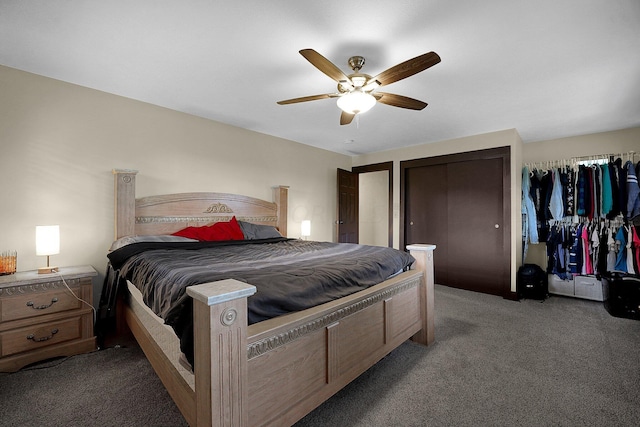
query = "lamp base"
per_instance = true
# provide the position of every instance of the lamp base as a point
(47, 270)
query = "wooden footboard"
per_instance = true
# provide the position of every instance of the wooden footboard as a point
(277, 371)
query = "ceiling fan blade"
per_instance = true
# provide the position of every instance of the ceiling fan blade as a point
(399, 101)
(346, 118)
(305, 99)
(407, 68)
(324, 65)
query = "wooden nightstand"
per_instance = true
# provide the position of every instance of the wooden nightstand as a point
(40, 318)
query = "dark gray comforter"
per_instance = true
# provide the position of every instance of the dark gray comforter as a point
(290, 275)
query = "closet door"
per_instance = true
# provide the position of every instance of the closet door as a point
(475, 225)
(458, 203)
(426, 208)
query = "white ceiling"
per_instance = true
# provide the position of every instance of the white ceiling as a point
(549, 68)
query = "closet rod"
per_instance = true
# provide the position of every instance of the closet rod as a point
(629, 155)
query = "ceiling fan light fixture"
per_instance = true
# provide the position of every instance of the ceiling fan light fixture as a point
(372, 85)
(356, 102)
(358, 80)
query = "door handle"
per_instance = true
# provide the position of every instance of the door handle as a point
(497, 226)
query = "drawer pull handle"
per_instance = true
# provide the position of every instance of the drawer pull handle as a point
(42, 307)
(33, 338)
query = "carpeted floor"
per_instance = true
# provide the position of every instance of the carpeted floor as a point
(563, 362)
(111, 387)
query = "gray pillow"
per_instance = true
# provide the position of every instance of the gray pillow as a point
(258, 231)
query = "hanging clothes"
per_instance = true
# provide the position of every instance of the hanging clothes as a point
(621, 246)
(529, 218)
(594, 248)
(607, 192)
(587, 266)
(544, 215)
(556, 206)
(578, 211)
(596, 186)
(615, 190)
(630, 267)
(612, 249)
(603, 249)
(622, 187)
(556, 252)
(636, 249)
(537, 195)
(567, 177)
(589, 192)
(575, 251)
(633, 191)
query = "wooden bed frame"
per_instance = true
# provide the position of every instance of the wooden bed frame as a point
(277, 371)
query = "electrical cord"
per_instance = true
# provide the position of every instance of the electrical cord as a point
(95, 313)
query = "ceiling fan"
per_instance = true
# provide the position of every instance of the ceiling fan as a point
(357, 91)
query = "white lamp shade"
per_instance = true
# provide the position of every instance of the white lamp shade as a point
(305, 228)
(47, 239)
(356, 102)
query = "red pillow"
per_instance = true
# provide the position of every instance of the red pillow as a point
(219, 231)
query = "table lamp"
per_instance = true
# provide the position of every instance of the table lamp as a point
(305, 229)
(47, 243)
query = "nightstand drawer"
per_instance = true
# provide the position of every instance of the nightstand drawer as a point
(36, 336)
(37, 304)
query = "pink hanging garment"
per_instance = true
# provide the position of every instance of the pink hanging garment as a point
(587, 265)
(630, 243)
(636, 248)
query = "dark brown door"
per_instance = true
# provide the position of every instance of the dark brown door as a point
(347, 222)
(427, 222)
(458, 203)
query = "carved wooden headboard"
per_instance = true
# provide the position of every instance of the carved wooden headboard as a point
(168, 213)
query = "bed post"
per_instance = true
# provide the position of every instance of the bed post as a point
(424, 262)
(220, 352)
(125, 202)
(281, 198)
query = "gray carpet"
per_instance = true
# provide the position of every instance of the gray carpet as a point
(111, 387)
(562, 362)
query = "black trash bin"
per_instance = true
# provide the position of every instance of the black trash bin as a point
(532, 282)
(621, 293)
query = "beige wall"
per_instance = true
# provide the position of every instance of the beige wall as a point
(505, 138)
(59, 143)
(614, 142)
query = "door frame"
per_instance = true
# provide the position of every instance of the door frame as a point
(491, 153)
(378, 167)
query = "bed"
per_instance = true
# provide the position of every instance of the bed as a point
(275, 371)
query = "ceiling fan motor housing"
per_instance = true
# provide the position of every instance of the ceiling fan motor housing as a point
(356, 63)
